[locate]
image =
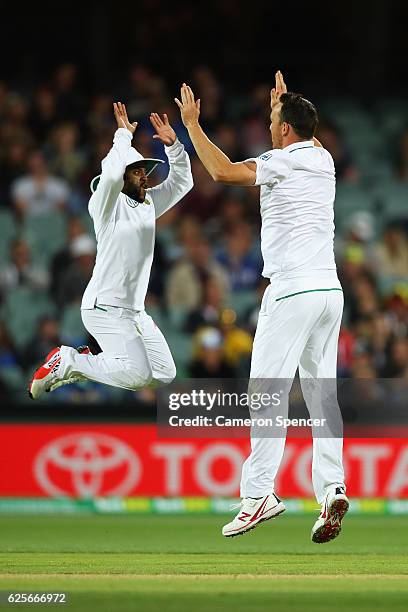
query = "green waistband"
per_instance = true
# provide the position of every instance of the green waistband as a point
(307, 291)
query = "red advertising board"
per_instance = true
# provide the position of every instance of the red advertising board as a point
(129, 460)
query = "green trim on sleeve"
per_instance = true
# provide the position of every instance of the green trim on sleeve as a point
(99, 308)
(284, 297)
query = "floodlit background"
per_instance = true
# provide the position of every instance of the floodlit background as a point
(56, 125)
(90, 455)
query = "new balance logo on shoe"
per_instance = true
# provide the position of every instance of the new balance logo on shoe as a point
(244, 516)
(253, 512)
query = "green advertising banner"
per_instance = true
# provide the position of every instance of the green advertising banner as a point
(178, 505)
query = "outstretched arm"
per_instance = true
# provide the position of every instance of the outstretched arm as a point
(179, 180)
(278, 90)
(218, 165)
(113, 168)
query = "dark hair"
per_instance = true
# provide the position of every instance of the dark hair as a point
(300, 114)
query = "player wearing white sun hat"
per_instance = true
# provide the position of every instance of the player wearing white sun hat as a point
(301, 310)
(124, 212)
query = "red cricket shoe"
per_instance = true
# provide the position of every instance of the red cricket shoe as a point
(46, 375)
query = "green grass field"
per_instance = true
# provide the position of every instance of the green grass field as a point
(166, 564)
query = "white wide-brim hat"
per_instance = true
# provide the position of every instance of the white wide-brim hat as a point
(133, 157)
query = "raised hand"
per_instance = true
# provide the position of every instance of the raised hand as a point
(279, 89)
(189, 108)
(164, 131)
(121, 117)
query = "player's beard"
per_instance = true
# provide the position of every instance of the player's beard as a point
(136, 192)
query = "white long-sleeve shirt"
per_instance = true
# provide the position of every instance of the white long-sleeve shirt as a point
(125, 229)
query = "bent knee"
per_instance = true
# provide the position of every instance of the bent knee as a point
(165, 377)
(141, 377)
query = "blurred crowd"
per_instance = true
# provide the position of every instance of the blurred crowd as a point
(206, 282)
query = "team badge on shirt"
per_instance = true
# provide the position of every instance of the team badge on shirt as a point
(131, 203)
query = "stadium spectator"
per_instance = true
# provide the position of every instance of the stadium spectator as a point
(178, 232)
(363, 300)
(330, 137)
(237, 342)
(227, 139)
(189, 275)
(76, 277)
(10, 365)
(204, 201)
(243, 266)
(381, 337)
(8, 353)
(14, 127)
(69, 101)
(21, 271)
(99, 120)
(64, 258)
(46, 337)
(12, 166)
(208, 87)
(392, 252)
(210, 361)
(356, 246)
(345, 355)
(65, 158)
(43, 115)
(397, 359)
(209, 310)
(38, 192)
(255, 134)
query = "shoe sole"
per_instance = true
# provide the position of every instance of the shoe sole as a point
(262, 520)
(329, 531)
(30, 394)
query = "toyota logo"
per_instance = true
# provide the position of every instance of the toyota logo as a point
(87, 464)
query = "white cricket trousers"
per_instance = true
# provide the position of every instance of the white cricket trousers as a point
(134, 353)
(299, 331)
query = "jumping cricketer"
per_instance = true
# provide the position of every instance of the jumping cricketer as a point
(302, 307)
(124, 210)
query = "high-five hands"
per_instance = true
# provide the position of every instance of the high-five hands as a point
(164, 131)
(189, 108)
(121, 117)
(279, 89)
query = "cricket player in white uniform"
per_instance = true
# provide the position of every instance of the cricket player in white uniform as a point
(301, 310)
(134, 353)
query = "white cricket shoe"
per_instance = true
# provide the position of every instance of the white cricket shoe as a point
(328, 525)
(252, 512)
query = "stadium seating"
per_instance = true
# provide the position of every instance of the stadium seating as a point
(72, 330)
(241, 301)
(45, 234)
(22, 309)
(181, 347)
(351, 198)
(8, 231)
